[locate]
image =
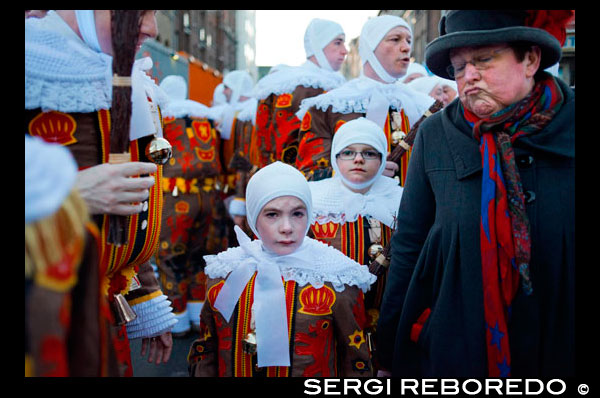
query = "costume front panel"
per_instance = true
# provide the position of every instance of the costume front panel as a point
(263, 145)
(193, 212)
(353, 239)
(87, 136)
(326, 334)
(286, 124)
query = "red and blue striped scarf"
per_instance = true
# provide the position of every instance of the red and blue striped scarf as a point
(504, 229)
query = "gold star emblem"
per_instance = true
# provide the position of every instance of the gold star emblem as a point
(356, 339)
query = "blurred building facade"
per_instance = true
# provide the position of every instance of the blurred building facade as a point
(202, 46)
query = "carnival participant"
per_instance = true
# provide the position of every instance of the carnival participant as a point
(355, 210)
(72, 99)
(67, 321)
(237, 130)
(280, 94)
(284, 304)
(384, 48)
(193, 216)
(481, 282)
(449, 90)
(430, 85)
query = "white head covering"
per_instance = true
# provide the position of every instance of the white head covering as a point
(240, 82)
(319, 33)
(270, 182)
(176, 88)
(373, 31)
(50, 173)
(358, 131)
(446, 82)
(87, 27)
(415, 67)
(313, 262)
(424, 84)
(218, 96)
(334, 201)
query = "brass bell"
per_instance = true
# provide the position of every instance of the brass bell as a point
(374, 250)
(397, 136)
(249, 343)
(159, 150)
(122, 311)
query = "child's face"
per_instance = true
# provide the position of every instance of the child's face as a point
(359, 169)
(282, 224)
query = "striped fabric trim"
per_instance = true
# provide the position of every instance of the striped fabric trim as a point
(142, 242)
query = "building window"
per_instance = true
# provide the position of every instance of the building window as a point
(186, 22)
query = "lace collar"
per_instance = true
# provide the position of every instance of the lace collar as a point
(354, 97)
(287, 78)
(326, 265)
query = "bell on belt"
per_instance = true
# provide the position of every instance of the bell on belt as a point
(249, 343)
(159, 150)
(122, 311)
(374, 250)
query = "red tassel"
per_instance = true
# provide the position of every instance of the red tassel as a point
(417, 327)
(552, 21)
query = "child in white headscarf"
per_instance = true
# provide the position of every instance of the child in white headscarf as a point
(355, 210)
(285, 304)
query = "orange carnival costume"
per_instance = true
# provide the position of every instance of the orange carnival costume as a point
(281, 92)
(193, 218)
(68, 92)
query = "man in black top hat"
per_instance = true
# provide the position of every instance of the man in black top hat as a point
(481, 281)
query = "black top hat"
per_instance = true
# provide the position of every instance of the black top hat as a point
(472, 28)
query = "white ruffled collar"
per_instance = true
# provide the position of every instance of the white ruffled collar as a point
(62, 73)
(183, 108)
(354, 97)
(326, 265)
(287, 78)
(333, 201)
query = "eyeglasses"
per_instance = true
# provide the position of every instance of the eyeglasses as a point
(480, 62)
(348, 154)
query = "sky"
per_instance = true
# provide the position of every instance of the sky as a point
(280, 33)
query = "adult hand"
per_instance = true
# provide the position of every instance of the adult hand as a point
(160, 348)
(109, 188)
(391, 168)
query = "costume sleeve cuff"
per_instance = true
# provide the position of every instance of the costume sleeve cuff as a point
(154, 317)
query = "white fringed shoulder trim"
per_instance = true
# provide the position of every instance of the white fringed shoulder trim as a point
(248, 110)
(287, 78)
(355, 95)
(183, 108)
(330, 265)
(334, 202)
(61, 72)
